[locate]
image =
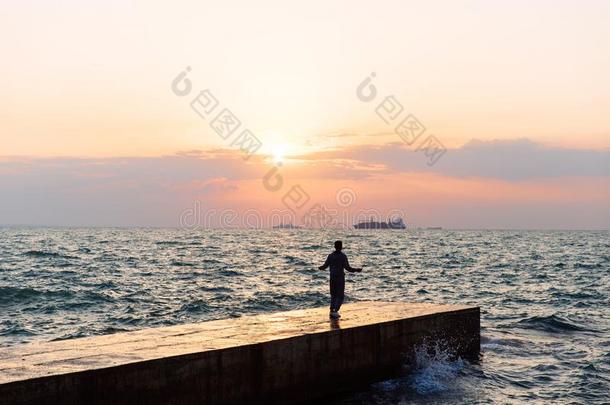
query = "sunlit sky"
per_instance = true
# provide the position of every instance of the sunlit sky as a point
(91, 82)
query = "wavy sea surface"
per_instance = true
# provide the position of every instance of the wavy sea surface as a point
(544, 296)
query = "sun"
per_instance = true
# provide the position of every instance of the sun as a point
(278, 154)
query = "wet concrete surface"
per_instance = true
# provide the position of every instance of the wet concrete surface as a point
(296, 355)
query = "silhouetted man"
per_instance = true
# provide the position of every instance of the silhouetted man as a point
(337, 261)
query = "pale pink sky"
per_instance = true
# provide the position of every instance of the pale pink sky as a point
(91, 81)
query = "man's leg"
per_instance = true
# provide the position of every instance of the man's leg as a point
(333, 294)
(340, 292)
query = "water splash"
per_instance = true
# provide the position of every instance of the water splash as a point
(435, 369)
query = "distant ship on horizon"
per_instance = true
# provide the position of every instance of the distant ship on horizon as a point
(286, 226)
(397, 223)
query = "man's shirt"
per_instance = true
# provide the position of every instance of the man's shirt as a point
(337, 261)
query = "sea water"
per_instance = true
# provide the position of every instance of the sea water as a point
(544, 296)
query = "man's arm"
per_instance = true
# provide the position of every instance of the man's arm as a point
(326, 264)
(350, 268)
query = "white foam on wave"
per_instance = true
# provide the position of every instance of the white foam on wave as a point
(493, 343)
(435, 370)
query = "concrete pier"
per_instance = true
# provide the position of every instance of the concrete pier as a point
(285, 357)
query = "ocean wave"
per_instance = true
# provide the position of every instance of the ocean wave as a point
(195, 307)
(169, 243)
(230, 272)
(492, 342)
(17, 295)
(15, 329)
(210, 261)
(66, 299)
(216, 289)
(588, 265)
(71, 335)
(45, 254)
(552, 324)
(41, 253)
(296, 261)
(179, 263)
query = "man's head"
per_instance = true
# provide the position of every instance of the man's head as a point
(338, 245)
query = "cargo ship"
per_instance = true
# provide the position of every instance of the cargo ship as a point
(286, 226)
(397, 223)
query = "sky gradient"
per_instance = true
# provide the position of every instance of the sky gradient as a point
(92, 134)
